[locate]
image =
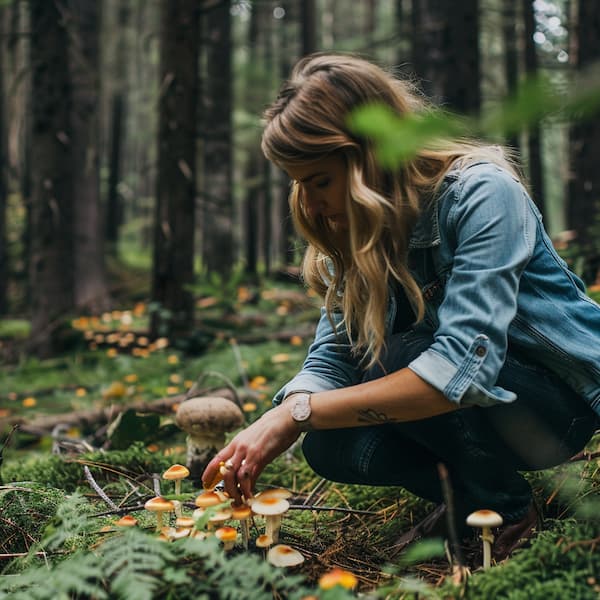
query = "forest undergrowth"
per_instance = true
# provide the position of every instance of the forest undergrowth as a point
(69, 472)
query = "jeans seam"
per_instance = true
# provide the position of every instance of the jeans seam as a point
(367, 453)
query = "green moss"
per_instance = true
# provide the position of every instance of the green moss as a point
(67, 473)
(26, 509)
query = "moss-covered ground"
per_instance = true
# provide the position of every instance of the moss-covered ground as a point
(254, 338)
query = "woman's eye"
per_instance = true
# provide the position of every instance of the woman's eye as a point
(323, 183)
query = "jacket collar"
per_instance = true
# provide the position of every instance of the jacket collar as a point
(426, 232)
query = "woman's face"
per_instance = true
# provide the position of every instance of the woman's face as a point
(323, 187)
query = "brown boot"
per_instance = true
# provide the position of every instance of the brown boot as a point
(431, 526)
(516, 535)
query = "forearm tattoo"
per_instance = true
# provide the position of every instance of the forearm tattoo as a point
(368, 415)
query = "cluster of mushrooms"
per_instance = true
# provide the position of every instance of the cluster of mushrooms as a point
(215, 508)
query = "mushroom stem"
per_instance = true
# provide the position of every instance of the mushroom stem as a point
(272, 527)
(159, 520)
(245, 531)
(487, 538)
(177, 487)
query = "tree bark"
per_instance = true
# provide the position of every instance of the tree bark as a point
(584, 185)
(445, 52)
(52, 259)
(511, 55)
(218, 204)
(173, 263)
(3, 176)
(114, 203)
(91, 293)
(309, 26)
(534, 149)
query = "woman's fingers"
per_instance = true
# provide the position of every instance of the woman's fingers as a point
(240, 463)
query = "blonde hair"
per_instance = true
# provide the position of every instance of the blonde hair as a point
(308, 122)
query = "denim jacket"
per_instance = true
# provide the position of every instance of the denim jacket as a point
(491, 280)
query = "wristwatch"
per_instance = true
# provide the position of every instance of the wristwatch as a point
(300, 409)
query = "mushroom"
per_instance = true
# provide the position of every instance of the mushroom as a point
(227, 535)
(126, 521)
(206, 419)
(263, 541)
(242, 514)
(272, 509)
(218, 518)
(159, 506)
(188, 522)
(485, 519)
(338, 576)
(274, 493)
(176, 473)
(206, 499)
(284, 556)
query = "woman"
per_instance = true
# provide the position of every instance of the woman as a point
(451, 331)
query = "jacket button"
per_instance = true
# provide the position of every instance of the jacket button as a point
(480, 351)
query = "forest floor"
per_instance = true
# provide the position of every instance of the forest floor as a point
(63, 442)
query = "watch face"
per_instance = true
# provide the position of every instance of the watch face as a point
(301, 408)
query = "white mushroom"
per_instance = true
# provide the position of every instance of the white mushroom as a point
(485, 519)
(272, 509)
(284, 556)
(206, 419)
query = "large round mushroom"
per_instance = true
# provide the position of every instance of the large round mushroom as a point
(206, 420)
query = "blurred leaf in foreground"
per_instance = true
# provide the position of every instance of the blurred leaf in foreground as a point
(397, 139)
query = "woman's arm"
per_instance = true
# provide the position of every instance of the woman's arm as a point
(399, 396)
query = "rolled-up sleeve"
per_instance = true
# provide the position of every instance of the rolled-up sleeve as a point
(492, 229)
(330, 362)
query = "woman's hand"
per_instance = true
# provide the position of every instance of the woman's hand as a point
(251, 450)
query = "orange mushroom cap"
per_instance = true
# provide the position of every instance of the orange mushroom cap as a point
(176, 472)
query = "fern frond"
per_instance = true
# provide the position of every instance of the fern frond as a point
(79, 575)
(133, 563)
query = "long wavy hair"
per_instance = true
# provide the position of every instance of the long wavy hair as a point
(309, 121)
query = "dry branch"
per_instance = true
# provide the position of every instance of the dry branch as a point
(93, 418)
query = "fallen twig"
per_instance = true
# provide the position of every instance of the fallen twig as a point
(572, 545)
(97, 488)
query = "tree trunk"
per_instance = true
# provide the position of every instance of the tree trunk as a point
(3, 176)
(511, 56)
(446, 52)
(173, 265)
(309, 26)
(286, 234)
(91, 292)
(254, 172)
(584, 185)
(217, 204)
(114, 208)
(534, 146)
(52, 257)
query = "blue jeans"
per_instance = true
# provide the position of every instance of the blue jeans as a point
(483, 448)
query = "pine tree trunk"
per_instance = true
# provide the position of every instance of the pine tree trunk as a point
(534, 145)
(511, 55)
(584, 185)
(3, 175)
(446, 52)
(91, 293)
(173, 265)
(52, 257)
(218, 204)
(309, 26)
(114, 207)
